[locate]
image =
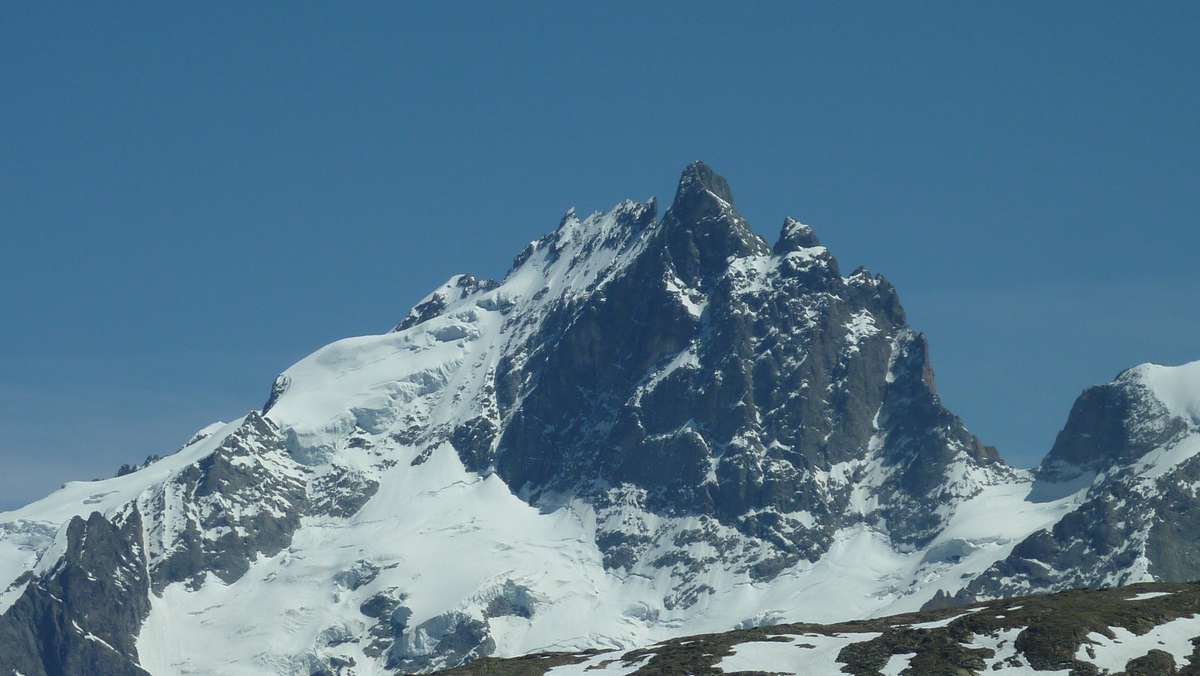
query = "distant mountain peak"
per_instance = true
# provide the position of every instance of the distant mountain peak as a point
(698, 178)
(795, 235)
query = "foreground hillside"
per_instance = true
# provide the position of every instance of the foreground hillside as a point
(1143, 630)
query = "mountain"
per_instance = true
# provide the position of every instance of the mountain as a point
(1141, 630)
(1130, 451)
(650, 427)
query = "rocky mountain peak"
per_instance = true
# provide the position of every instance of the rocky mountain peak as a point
(702, 229)
(794, 236)
(1115, 424)
(698, 178)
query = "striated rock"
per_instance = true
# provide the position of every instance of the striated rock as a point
(80, 613)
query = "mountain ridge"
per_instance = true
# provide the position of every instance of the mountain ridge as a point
(650, 426)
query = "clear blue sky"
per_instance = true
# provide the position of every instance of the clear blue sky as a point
(194, 197)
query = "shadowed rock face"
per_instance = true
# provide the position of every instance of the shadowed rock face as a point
(81, 616)
(721, 375)
(1139, 513)
(246, 498)
(1106, 427)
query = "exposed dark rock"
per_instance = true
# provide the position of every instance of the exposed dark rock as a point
(718, 374)
(795, 236)
(362, 573)
(278, 387)
(1127, 524)
(1107, 427)
(1153, 663)
(512, 599)
(473, 440)
(249, 496)
(422, 457)
(340, 493)
(82, 615)
(447, 640)
(388, 608)
(941, 600)
(457, 288)
(130, 469)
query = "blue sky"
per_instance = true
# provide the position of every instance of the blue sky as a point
(192, 198)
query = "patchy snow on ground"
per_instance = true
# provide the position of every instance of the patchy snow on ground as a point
(1146, 596)
(604, 664)
(803, 654)
(938, 624)
(1005, 659)
(1111, 654)
(897, 664)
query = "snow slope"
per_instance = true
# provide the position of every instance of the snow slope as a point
(1176, 387)
(27, 535)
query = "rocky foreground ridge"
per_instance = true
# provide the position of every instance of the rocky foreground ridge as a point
(1139, 630)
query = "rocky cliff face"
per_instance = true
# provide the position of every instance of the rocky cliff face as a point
(651, 426)
(80, 609)
(719, 376)
(1131, 451)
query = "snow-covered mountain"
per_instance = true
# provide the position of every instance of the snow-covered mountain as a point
(1130, 452)
(650, 427)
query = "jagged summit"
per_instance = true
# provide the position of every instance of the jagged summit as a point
(698, 178)
(795, 235)
(702, 230)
